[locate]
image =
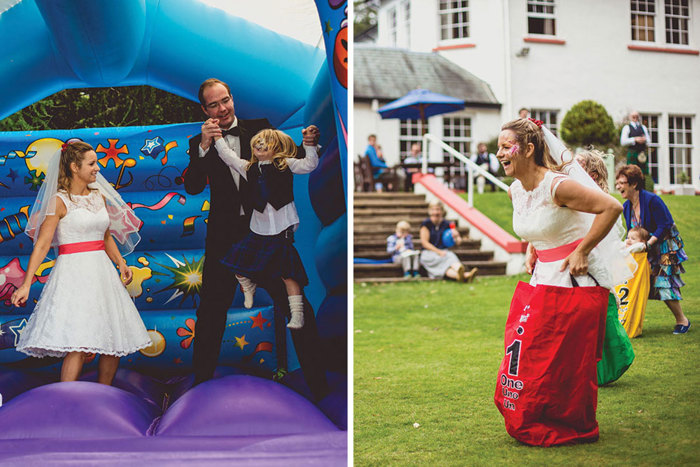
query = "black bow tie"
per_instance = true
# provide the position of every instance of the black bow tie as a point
(235, 131)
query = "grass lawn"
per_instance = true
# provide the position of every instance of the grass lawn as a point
(428, 353)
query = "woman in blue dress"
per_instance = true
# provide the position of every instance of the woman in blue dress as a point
(665, 245)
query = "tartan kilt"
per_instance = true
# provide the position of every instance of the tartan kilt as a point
(262, 257)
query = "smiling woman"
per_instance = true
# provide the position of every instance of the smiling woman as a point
(551, 211)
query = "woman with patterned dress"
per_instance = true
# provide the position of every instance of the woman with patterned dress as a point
(84, 306)
(665, 245)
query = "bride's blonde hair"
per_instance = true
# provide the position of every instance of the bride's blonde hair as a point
(527, 131)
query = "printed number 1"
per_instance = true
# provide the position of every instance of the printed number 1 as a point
(514, 351)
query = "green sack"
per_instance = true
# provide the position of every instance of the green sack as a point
(617, 348)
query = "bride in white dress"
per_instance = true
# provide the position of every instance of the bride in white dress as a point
(84, 307)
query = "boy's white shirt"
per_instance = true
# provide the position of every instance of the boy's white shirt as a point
(271, 221)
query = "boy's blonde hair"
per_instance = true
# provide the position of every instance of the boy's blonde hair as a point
(594, 165)
(403, 226)
(641, 231)
(281, 144)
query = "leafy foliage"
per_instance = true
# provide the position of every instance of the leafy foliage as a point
(365, 15)
(104, 107)
(588, 123)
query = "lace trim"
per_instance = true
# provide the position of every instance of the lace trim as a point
(526, 202)
(93, 202)
(51, 351)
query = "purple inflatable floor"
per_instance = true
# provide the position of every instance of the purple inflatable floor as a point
(237, 419)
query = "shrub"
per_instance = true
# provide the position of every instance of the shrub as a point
(587, 123)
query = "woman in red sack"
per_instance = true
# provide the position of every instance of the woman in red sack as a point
(547, 384)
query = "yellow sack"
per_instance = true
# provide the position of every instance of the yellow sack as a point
(632, 297)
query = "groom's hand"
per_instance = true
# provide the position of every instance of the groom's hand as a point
(311, 135)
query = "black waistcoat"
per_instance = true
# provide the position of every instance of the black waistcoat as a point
(279, 185)
(637, 147)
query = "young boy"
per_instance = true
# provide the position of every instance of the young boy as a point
(400, 245)
(636, 241)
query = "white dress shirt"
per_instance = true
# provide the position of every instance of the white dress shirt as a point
(271, 221)
(234, 142)
(627, 140)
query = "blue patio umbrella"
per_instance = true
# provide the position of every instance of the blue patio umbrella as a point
(421, 104)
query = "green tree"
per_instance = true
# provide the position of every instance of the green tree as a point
(364, 15)
(587, 123)
(104, 107)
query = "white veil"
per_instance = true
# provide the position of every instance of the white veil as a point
(124, 224)
(620, 264)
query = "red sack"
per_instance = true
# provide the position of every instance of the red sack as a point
(547, 387)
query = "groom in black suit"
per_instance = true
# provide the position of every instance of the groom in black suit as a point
(228, 223)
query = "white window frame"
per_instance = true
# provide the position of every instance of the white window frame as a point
(680, 147)
(639, 13)
(684, 33)
(407, 21)
(410, 131)
(544, 15)
(450, 26)
(550, 118)
(651, 121)
(462, 143)
(392, 17)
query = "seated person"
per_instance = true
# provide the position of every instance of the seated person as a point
(380, 170)
(414, 157)
(487, 161)
(435, 257)
(400, 245)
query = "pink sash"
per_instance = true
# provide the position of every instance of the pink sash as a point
(560, 252)
(81, 247)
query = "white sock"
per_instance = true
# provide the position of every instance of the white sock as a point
(296, 306)
(248, 288)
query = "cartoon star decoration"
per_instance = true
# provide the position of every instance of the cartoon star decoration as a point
(123, 222)
(153, 147)
(241, 342)
(258, 321)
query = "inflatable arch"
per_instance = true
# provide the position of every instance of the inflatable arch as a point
(58, 44)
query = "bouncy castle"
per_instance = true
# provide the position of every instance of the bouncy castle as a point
(259, 408)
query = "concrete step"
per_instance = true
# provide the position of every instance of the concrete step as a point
(379, 212)
(360, 230)
(378, 242)
(389, 219)
(364, 272)
(464, 254)
(387, 196)
(392, 203)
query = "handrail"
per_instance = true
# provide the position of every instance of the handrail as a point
(472, 167)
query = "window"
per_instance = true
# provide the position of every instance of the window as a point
(407, 21)
(643, 12)
(457, 133)
(411, 132)
(652, 124)
(677, 18)
(540, 17)
(393, 22)
(548, 117)
(680, 148)
(454, 19)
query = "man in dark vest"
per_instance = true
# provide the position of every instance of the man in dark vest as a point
(228, 223)
(636, 137)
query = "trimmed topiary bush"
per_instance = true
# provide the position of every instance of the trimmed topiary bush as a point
(587, 123)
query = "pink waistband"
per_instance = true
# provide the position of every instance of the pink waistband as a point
(560, 252)
(81, 247)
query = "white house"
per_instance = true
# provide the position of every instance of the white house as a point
(546, 55)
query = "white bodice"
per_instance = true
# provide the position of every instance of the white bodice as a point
(86, 218)
(538, 219)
